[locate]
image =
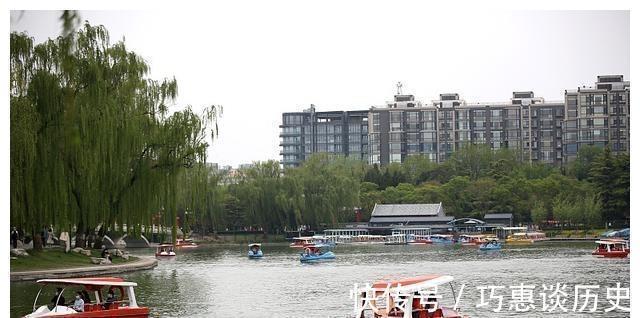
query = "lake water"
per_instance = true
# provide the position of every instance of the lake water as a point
(220, 281)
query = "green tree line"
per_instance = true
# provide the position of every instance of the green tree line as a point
(325, 189)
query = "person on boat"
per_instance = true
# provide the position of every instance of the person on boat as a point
(111, 298)
(85, 296)
(78, 304)
(58, 299)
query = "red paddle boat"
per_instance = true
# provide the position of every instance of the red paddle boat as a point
(406, 298)
(122, 305)
(611, 249)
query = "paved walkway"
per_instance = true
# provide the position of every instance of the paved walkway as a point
(140, 264)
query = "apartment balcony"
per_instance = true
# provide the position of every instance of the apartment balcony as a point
(283, 134)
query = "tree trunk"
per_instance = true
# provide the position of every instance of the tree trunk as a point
(80, 235)
(90, 235)
(97, 243)
(37, 240)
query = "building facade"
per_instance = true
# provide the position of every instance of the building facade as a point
(541, 131)
(336, 133)
(598, 116)
(526, 124)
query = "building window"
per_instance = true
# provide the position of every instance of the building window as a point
(428, 116)
(395, 117)
(395, 147)
(428, 125)
(429, 136)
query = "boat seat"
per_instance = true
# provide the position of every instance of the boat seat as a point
(92, 307)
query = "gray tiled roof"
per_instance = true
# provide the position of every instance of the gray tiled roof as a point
(411, 219)
(498, 216)
(407, 210)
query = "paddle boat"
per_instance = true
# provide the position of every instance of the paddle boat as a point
(414, 239)
(624, 234)
(165, 251)
(526, 238)
(611, 249)
(396, 239)
(490, 245)
(406, 298)
(124, 305)
(301, 242)
(316, 253)
(470, 240)
(324, 240)
(442, 239)
(186, 243)
(254, 250)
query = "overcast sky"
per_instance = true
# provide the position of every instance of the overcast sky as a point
(263, 61)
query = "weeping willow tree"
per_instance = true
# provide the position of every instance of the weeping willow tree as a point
(93, 144)
(331, 188)
(200, 199)
(323, 191)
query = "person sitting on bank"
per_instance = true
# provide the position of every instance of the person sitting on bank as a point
(14, 237)
(78, 303)
(106, 254)
(58, 299)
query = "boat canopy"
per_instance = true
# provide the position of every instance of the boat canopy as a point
(616, 240)
(413, 284)
(612, 242)
(89, 281)
(255, 244)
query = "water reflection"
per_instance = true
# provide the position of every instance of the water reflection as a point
(220, 281)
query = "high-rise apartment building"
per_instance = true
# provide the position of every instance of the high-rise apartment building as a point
(597, 115)
(525, 124)
(541, 128)
(336, 133)
(541, 131)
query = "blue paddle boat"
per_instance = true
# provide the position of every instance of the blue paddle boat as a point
(316, 253)
(492, 245)
(254, 250)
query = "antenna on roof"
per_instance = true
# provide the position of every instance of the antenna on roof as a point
(399, 86)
